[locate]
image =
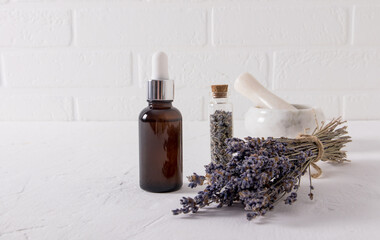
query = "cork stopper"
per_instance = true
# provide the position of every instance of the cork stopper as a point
(219, 91)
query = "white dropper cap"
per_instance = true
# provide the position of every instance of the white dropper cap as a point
(160, 66)
(160, 88)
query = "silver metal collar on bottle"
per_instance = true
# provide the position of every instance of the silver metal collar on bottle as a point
(160, 90)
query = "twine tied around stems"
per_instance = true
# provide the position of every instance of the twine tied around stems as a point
(321, 151)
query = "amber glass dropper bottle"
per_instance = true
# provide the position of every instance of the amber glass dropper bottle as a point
(160, 133)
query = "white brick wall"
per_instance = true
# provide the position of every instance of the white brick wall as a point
(252, 26)
(35, 27)
(327, 70)
(34, 108)
(66, 68)
(158, 26)
(366, 25)
(89, 60)
(108, 108)
(361, 107)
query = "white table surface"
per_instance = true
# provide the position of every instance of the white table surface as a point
(80, 181)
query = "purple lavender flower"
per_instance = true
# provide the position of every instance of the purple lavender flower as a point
(195, 180)
(257, 175)
(291, 198)
(259, 172)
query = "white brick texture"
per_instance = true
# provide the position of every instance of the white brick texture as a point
(35, 27)
(68, 69)
(35, 108)
(327, 70)
(107, 108)
(89, 60)
(362, 107)
(252, 25)
(190, 104)
(367, 25)
(141, 26)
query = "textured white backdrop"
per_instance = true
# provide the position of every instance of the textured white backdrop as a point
(75, 60)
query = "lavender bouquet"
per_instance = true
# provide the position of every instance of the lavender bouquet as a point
(263, 171)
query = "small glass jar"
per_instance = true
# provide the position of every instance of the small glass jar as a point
(220, 111)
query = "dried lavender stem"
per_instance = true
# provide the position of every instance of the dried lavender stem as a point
(262, 171)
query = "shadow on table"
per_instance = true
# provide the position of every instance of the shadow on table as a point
(214, 212)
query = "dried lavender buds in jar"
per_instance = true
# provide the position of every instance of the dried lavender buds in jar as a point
(220, 123)
(220, 131)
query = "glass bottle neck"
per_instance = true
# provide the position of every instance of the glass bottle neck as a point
(160, 104)
(219, 100)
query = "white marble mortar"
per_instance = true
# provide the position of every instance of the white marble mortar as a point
(260, 122)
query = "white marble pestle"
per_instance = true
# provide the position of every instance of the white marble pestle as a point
(249, 87)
